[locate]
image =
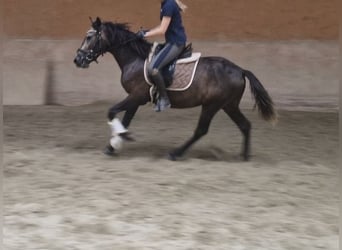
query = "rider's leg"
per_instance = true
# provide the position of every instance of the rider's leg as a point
(163, 101)
(164, 57)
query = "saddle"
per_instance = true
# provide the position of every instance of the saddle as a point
(179, 73)
(186, 52)
(169, 70)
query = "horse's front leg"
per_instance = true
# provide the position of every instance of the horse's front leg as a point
(119, 130)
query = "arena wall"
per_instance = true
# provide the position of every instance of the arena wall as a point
(205, 20)
(290, 45)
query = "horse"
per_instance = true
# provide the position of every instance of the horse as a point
(218, 84)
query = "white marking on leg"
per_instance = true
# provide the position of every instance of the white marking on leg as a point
(116, 142)
(117, 127)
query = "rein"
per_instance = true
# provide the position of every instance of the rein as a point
(124, 43)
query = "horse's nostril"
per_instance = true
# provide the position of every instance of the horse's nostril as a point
(77, 61)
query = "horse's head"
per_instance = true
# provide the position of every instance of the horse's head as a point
(93, 45)
(112, 37)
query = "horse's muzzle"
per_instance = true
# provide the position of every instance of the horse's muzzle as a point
(81, 61)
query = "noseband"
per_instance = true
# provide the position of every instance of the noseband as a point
(92, 55)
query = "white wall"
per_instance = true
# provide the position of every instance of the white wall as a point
(296, 73)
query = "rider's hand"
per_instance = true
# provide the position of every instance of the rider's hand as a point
(141, 33)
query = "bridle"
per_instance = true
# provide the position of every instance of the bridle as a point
(92, 55)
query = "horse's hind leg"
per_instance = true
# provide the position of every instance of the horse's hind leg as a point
(206, 116)
(244, 125)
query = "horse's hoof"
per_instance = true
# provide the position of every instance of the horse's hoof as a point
(127, 136)
(172, 157)
(109, 150)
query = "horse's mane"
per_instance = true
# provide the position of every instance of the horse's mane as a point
(119, 34)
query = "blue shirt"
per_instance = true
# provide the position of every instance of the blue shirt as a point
(175, 33)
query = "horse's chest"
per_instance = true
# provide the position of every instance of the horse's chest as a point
(131, 75)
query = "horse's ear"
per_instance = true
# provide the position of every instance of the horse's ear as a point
(96, 24)
(98, 21)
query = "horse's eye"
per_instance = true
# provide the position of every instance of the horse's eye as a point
(88, 38)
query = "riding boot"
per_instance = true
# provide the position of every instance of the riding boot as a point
(163, 101)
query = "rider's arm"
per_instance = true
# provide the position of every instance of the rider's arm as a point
(161, 28)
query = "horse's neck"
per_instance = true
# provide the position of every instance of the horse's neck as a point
(128, 61)
(124, 57)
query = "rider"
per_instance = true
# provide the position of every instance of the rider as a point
(171, 26)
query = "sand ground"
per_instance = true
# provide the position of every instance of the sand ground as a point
(61, 192)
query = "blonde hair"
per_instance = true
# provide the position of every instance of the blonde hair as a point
(181, 5)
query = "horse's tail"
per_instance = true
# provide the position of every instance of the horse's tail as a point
(262, 98)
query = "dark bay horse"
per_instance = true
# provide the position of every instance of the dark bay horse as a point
(218, 83)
